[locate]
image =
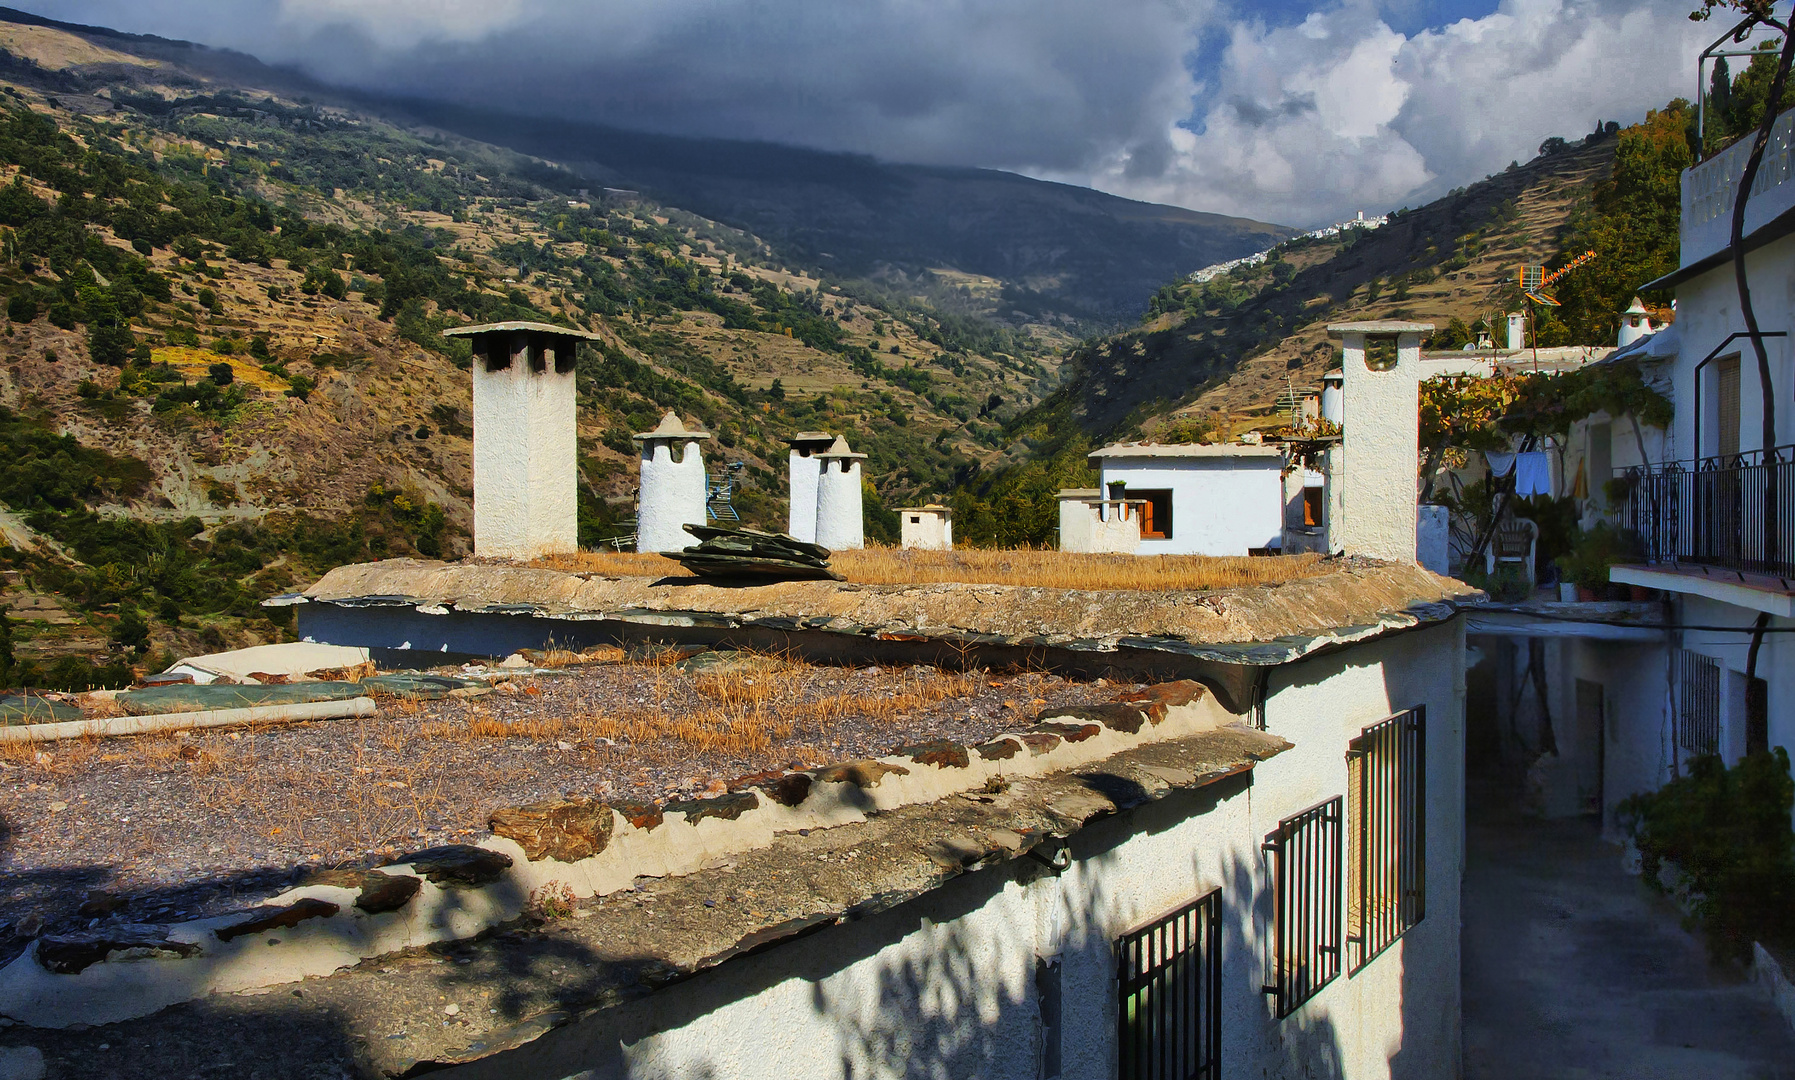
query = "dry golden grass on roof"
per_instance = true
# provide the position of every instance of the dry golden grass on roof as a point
(975, 566)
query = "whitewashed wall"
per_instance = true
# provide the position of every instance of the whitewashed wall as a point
(671, 496)
(839, 522)
(1095, 526)
(1707, 312)
(801, 489)
(926, 530)
(1220, 505)
(945, 986)
(526, 460)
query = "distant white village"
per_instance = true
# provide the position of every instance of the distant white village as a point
(1215, 270)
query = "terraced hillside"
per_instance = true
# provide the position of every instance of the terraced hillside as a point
(1221, 352)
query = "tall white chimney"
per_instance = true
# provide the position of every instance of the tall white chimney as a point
(672, 491)
(526, 453)
(839, 526)
(806, 469)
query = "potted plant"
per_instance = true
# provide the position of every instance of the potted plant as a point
(1594, 551)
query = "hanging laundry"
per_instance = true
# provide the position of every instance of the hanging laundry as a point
(1500, 462)
(1533, 473)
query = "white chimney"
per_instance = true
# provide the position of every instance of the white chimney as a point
(1381, 440)
(838, 522)
(526, 453)
(806, 468)
(1330, 396)
(1635, 323)
(1517, 331)
(672, 492)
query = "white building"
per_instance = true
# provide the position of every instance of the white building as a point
(804, 472)
(673, 485)
(1714, 542)
(1223, 499)
(526, 452)
(927, 528)
(1287, 836)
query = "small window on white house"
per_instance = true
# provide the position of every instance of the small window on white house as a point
(914, 520)
(1697, 686)
(1306, 932)
(1169, 978)
(1156, 516)
(1726, 402)
(1386, 797)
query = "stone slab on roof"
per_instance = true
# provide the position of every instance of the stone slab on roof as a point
(389, 1017)
(537, 327)
(1380, 327)
(1264, 624)
(1188, 450)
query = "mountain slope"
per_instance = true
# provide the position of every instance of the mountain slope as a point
(1080, 251)
(1061, 250)
(1224, 350)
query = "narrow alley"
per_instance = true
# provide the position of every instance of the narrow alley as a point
(1574, 970)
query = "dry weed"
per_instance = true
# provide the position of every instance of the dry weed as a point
(975, 566)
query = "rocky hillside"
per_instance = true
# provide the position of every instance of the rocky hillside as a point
(1221, 352)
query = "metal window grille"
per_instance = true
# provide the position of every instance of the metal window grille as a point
(1305, 853)
(1387, 798)
(1698, 703)
(1169, 1023)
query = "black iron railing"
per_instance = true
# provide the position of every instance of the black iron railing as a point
(1735, 512)
(1387, 799)
(1306, 938)
(1169, 1023)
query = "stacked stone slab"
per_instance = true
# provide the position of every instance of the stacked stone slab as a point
(526, 457)
(672, 491)
(753, 553)
(838, 521)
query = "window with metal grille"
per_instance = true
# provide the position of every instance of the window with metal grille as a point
(1697, 683)
(1169, 1020)
(1386, 797)
(1305, 952)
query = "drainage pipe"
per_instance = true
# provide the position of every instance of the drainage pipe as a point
(181, 721)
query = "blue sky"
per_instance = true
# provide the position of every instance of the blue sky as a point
(1286, 111)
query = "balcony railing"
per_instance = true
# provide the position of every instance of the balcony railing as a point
(1709, 189)
(1732, 513)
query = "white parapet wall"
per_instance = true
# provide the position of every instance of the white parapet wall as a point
(839, 525)
(672, 486)
(805, 472)
(1092, 524)
(526, 454)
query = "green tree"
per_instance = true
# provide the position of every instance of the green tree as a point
(1632, 224)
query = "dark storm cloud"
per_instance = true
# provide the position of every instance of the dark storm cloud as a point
(1281, 110)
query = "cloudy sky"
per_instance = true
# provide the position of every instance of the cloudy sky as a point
(1286, 111)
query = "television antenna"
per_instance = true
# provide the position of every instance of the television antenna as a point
(1534, 280)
